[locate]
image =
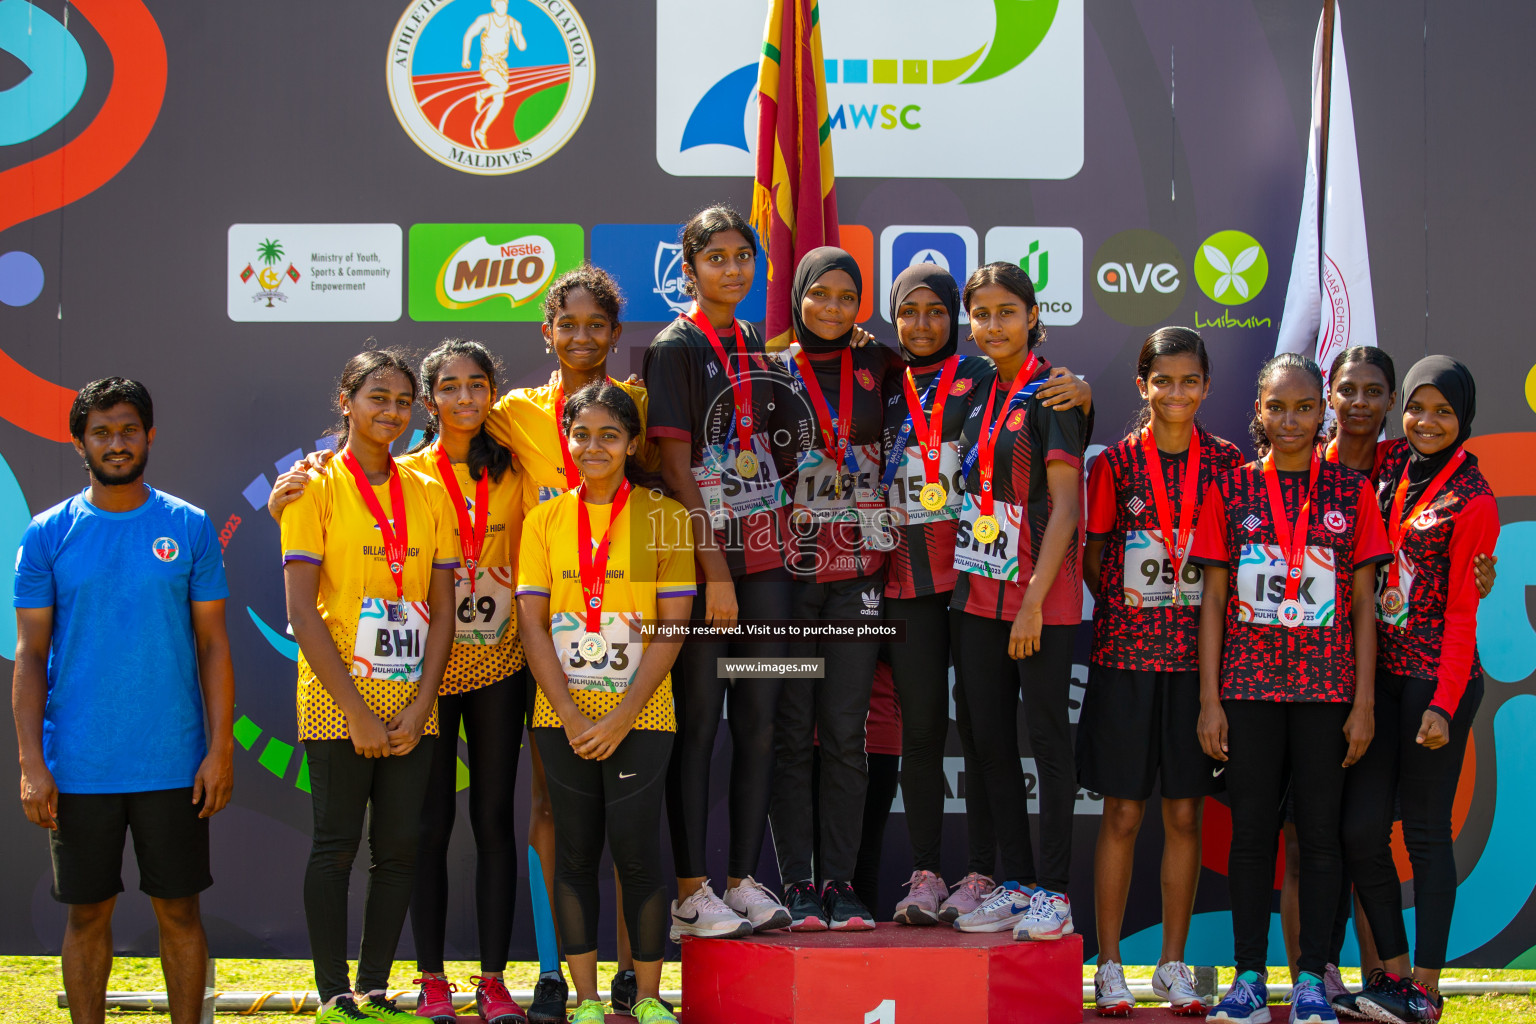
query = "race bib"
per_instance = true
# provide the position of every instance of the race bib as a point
(997, 559)
(613, 672)
(729, 495)
(481, 616)
(1148, 579)
(391, 639)
(907, 486)
(1393, 610)
(1261, 585)
(825, 488)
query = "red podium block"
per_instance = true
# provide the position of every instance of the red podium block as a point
(892, 975)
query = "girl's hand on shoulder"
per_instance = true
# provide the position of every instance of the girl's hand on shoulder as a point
(860, 338)
(1064, 389)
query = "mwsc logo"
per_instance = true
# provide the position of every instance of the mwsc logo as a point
(1138, 277)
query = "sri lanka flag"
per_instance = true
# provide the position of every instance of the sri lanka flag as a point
(794, 203)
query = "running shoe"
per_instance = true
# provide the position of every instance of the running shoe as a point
(589, 1012)
(495, 1004)
(1174, 983)
(925, 894)
(435, 1000)
(756, 902)
(1348, 1004)
(970, 893)
(654, 1011)
(1333, 984)
(1308, 1004)
(844, 911)
(1110, 992)
(381, 1007)
(550, 994)
(1407, 1002)
(1002, 909)
(703, 915)
(624, 993)
(805, 911)
(1049, 917)
(343, 1011)
(1244, 1003)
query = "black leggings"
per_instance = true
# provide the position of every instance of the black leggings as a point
(622, 797)
(883, 770)
(1270, 743)
(920, 669)
(1397, 772)
(980, 837)
(699, 695)
(493, 727)
(993, 684)
(345, 786)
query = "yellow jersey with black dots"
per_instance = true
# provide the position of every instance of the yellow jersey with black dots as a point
(330, 526)
(650, 556)
(524, 420)
(472, 666)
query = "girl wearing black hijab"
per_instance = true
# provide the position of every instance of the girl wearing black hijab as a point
(1440, 515)
(831, 446)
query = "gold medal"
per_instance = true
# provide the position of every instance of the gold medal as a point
(746, 464)
(592, 647)
(986, 529)
(933, 496)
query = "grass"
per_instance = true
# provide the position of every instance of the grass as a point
(28, 985)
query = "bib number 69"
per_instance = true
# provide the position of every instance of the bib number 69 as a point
(471, 607)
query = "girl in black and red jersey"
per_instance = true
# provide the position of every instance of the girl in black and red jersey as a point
(837, 559)
(712, 391)
(1362, 388)
(1287, 667)
(1139, 717)
(1018, 600)
(923, 485)
(1440, 515)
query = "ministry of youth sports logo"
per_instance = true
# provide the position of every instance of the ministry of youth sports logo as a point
(490, 86)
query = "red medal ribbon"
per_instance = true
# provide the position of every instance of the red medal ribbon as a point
(1293, 539)
(572, 474)
(741, 382)
(594, 563)
(930, 432)
(1397, 523)
(1331, 451)
(1187, 496)
(986, 442)
(835, 430)
(471, 540)
(395, 540)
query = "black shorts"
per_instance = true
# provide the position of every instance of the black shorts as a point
(1139, 727)
(170, 843)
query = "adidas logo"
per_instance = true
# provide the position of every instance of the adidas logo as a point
(871, 600)
(1135, 504)
(1252, 523)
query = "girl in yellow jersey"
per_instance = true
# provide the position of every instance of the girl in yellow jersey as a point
(598, 566)
(368, 560)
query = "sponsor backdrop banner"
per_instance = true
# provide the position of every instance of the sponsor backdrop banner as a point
(227, 202)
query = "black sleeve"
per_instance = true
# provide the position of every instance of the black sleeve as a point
(670, 381)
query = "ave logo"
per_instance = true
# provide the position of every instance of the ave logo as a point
(1138, 277)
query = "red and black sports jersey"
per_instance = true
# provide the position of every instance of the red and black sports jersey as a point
(1330, 452)
(821, 552)
(692, 400)
(1029, 436)
(1121, 501)
(1265, 660)
(923, 561)
(1437, 635)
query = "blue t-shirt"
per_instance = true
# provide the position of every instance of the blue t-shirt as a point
(125, 711)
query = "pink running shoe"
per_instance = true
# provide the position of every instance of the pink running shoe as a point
(971, 892)
(495, 1004)
(925, 892)
(435, 1000)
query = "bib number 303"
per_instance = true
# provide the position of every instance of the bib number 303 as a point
(614, 669)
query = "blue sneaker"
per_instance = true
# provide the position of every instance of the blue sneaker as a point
(1309, 1005)
(1245, 1002)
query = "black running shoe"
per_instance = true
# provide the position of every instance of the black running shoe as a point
(1348, 1005)
(624, 993)
(845, 912)
(550, 994)
(805, 910)
(1407, 1002)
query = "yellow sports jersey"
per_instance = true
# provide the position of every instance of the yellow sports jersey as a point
(472, 666)
(650, 556)
(524, 420)
(330, 526)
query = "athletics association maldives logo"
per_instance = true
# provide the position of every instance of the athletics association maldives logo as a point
(490, 86)
(165, 549)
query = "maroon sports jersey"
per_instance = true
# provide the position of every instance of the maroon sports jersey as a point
(1120, 502)
(1437, 638)
(1268, 661)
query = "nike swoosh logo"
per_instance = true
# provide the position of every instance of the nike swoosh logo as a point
(629, 776)
(686, 920)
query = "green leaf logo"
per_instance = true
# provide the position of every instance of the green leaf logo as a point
(1231, 268)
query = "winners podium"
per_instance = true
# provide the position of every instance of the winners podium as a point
(892, 975)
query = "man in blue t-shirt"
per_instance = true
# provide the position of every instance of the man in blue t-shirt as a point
(124, 695)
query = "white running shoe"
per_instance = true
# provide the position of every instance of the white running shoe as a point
(1049, 917)
(925, 894)
(1110, 992)
(1333, 983)
(704, 915)
(1174, 984)
(970, 893)
(1002, 909)
(756, 902)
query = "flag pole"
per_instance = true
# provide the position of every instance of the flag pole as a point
(1329, 7)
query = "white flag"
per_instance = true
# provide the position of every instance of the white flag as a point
(1328, 305)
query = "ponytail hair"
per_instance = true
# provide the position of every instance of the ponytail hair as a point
(1166, 341)
(1369, 354)
(1267, 373)
(1012, 277)
(616, 400)
(356, 373)
(486, 454)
